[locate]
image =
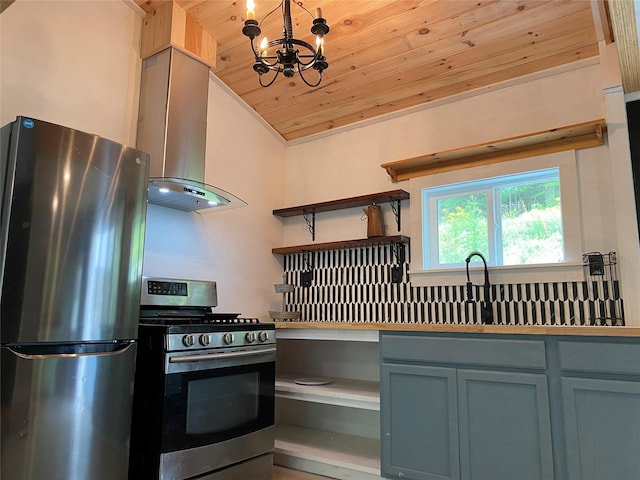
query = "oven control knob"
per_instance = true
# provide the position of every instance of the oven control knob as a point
(263, 336)
(228, 338)
(188, 340)
(205, 339)
(251, 337)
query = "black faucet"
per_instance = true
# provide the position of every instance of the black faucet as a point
(486, 311)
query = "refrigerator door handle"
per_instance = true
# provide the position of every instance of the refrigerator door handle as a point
(35, 352)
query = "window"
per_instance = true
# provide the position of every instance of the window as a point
(512, 220)
(574, 172)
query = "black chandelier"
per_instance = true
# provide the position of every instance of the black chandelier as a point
(287, 59)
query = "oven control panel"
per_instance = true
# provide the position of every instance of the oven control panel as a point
(171, 292)
(217, 339)
(167, 288)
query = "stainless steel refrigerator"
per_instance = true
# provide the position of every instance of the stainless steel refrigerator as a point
(72, 230)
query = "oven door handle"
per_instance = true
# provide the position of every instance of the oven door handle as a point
(219, 356)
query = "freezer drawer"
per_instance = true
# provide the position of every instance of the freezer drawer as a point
(67, 417)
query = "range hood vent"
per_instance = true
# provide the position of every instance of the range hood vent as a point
(172, 129)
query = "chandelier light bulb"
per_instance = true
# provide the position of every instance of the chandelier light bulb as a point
(263, 46)
(251, 10)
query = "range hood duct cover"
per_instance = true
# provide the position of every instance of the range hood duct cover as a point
(172, 129)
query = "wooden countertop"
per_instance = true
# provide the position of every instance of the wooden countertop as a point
(494, 329)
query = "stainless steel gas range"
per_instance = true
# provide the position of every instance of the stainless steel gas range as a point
(204, 388)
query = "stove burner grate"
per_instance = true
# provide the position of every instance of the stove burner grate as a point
(203, 321)
(192, 316)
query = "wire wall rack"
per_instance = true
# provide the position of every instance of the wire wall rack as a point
(603, 288)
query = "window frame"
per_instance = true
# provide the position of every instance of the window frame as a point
(569, 270)
(489, 188)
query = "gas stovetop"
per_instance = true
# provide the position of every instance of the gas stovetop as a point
(189, 329)
(180, 314)
(191, 316)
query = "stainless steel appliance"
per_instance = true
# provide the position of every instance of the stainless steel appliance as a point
(204, 388)
(172, 128)
(72, 230)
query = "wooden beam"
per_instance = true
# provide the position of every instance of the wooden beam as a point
(168, 24)
(572, 137)
(602, 20)
(625, 31)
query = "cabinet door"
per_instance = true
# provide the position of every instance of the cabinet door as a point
(419, 422)
(505, 426)
(602, 428)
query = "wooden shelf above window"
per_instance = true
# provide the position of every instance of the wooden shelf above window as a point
(571, 137)
(364, 242)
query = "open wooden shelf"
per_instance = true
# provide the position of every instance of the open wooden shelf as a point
(341, 391)
(571, 137)
(331, 429)
(364, 242)
(394, 197)
(295, 444)
(290, 331)
(352, 202)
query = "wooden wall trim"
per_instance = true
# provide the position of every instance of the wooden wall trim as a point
(625, 32)
(571, 137)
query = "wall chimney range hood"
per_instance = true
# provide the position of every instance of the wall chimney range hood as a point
(172, 128)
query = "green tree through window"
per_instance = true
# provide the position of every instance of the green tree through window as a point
(531, 223)
(462, 227)
(513, 220)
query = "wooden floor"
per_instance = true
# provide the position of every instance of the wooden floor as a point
(280, 473)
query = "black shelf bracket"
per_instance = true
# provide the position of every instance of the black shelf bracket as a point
(395, 208)
(310, 220)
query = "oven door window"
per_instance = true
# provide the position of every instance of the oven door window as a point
(212, 406)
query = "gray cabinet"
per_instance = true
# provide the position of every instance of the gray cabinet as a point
(463, 408)
(499, 407)
(602, 428)
(420, 422)
(601, 405)
(505, 429)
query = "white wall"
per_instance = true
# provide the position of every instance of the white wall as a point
(77, 63)
(347, 163)
(72, 63)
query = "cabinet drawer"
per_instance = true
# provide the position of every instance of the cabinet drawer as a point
(456, 350)
(600, 357)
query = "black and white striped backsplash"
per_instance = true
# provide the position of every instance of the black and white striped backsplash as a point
(354, 285)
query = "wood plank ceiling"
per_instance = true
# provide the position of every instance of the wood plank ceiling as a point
(389, 55)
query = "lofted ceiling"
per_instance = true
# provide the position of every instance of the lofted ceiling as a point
(389, 55)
